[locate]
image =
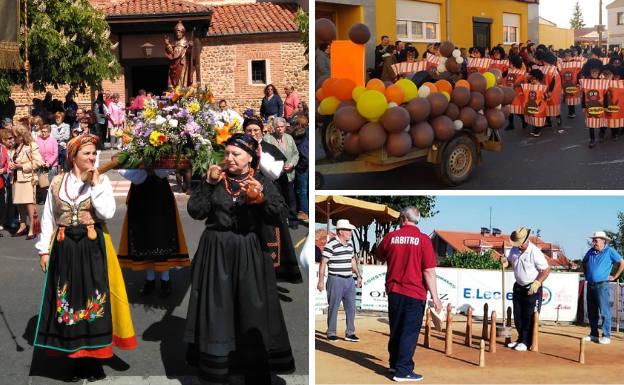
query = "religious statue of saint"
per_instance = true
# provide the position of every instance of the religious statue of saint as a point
(183, 61)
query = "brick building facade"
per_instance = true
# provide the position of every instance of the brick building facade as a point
(241, 39)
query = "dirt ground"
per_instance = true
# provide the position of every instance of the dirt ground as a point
(366, 362)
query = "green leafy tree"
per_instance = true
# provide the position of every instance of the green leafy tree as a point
(68, 44)
(617, 240)
(471, 260)
(425, 204)
(302, 18)
(576, 21)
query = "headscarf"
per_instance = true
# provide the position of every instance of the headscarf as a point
(247, 143)
(74, 145)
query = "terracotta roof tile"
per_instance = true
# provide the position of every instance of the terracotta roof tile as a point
(466, 241)
(151, 7)
(238, 19)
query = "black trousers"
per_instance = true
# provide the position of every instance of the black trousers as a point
(524, 305)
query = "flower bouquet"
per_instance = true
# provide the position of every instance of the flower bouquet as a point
(181, 131)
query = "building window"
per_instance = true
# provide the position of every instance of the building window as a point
(620, 18)
(259, 72)
(511, 28)
(418, 21)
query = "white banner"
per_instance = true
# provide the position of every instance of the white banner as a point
(320, 297)
(466, 287)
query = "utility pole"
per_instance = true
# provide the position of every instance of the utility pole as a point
(490, 218)
(600, 27)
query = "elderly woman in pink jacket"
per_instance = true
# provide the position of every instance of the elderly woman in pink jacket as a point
(48, 148)
(116, 120)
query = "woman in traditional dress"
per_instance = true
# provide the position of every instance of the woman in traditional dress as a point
(152, 238)
(234, 318)
(84, 308)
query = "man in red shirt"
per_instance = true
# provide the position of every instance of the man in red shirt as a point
(411, 272)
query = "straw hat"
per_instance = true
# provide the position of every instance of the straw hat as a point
(600, 234)
(519, 236)
(344, 224)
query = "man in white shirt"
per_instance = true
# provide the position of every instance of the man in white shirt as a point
(530, 270)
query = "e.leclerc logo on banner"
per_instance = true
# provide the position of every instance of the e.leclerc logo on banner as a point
(478, 293)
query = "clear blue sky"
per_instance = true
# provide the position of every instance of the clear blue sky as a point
(566, 220)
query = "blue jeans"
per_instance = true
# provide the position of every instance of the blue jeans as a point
(301, 185)
(405, 315)
(598, 300)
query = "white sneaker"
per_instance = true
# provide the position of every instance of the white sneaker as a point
(520, 347)
(604, 340)
(512, 345)
(590, 338)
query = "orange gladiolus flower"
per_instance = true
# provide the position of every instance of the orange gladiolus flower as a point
(223, 134)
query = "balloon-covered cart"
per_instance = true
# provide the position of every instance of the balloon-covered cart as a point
(432, 114)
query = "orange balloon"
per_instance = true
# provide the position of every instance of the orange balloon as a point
(377, 85)
(319, 94)
(395, 94)
(431, 86)
(462, 83)
(444, 86)
(343, 89)
(329, 87)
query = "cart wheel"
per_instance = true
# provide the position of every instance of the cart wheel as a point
(319, 180)
(333, 140)
(458, 161)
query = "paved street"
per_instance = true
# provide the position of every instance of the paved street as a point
(552, 161)
(159, 358)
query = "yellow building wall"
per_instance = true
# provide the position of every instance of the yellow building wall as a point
(344, 17)
(386, 21)
(462, 13)
(558, 37)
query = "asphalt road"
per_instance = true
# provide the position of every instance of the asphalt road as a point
(552, 161)
(158, 324)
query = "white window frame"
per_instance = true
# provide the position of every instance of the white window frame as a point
(619, 18)
(506, 27)
(267, 65)
(410, 36)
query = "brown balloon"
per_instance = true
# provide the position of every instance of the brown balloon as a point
(477, 101)
(509, 95)
(446, 48)
(493, 97)
(498, 74)
(460, 96)
(352, 144)
(480, 125)
(395, 119)
(348, 119)
(359, 33)
(398, 144)
(495, 118)
(422, 134)
(477, 82)
(419, 109)
(452, 111)
(325, 30)
(438, 103)
(452, 65)
(345, 103)
(372, 136)
(468, 116)
(443, 128)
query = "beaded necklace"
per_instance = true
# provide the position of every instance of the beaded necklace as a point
(228, 180)
(74, 205)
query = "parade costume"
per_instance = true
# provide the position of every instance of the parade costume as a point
(569, 72)
(480, 65)
(534, 104)
(84, 307)
(615, 104)
(552, 80)
(502, 65)
(594, 94)
(235, 320)
(515, 78)
(152, 236)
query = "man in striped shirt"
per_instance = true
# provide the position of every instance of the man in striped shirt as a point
(339, 258)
